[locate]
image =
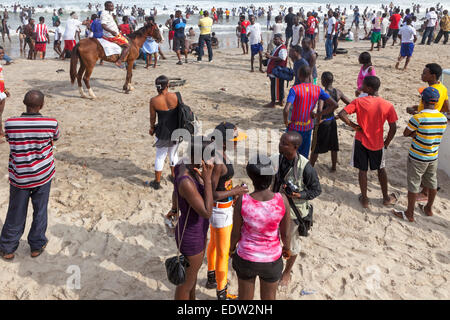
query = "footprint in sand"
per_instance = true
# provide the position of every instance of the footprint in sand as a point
(443, 257)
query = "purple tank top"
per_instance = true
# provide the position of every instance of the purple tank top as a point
(194, 238)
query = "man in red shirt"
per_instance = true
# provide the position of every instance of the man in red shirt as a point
(312, 23)
(369, 147)
(244, 39)
(394, 26)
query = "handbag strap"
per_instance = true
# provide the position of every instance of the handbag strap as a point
(184, 228)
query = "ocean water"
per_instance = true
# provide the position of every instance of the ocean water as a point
(224, 30)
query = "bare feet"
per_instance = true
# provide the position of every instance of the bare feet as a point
(285, 279)
(269, 105)
(421, 197)
(364, 201)
(119, 64)
(396, 65)
(426, 210)
(261, 70)
(391, 200)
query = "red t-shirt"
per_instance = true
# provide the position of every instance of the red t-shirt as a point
(371, 114)
(244, 25)
(312, 23)
(125, 29)
(395, 20)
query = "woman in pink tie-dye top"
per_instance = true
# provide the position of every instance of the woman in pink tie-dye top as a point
(260, 219)
(367, 69)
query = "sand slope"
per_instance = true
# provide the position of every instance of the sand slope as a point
(104, 220)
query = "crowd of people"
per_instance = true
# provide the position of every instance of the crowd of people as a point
(258, 229)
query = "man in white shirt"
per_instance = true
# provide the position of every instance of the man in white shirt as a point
(297, 32)
(431, 24)
(384, 28)
(330, 34)
(72, 26)
(254, 35)
(278, 57)
(408, 36)
(111, 31)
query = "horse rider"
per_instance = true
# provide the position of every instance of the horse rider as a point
(111, 31)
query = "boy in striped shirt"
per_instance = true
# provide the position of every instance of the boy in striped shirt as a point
(42, 38)
(426, 128)
(31, 169)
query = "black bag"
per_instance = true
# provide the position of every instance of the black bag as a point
(265, 62)
(304, 224)
(186, 118)
(176, 266)
(284, 73)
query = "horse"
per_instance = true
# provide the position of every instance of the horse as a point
(88, 51)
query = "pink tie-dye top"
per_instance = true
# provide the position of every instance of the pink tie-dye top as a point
(364, 73)
(260, 240)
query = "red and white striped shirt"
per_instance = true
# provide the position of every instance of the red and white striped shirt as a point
(41, 32)
(30, 139)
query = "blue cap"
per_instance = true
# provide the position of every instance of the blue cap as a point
(430, 95)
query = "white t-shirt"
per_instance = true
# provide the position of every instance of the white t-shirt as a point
(384, 25)
(72, 26)
(58, 33)
(277, 28)
(407, 33)
(254, 33)
(432, 18)
(350, 36)
(296, 34)
(107, 19)
(331, 25)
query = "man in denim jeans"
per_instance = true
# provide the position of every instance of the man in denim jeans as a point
(431, 24)
(330, 34)
(205, 25)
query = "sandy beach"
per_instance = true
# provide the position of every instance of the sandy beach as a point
(105, 221)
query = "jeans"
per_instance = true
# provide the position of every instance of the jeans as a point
(7, 58)
(205, 38)
(440, 34)
(329, 46)
(428, 34)
(335, 43)
(14, 225)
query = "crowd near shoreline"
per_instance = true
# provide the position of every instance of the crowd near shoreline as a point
(261, 231)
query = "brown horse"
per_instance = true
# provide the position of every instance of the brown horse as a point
(88, 51)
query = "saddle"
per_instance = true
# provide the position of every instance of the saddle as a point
(109, 47)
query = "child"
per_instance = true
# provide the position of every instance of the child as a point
(58, 36)
(367, 69)
(369, 146)
(327, 137)
(215, 41)
(150, 48)
(376, 32)
(426, 128)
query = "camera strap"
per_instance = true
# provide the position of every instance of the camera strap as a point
(295, 209)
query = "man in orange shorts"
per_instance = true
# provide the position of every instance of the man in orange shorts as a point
(111, 31)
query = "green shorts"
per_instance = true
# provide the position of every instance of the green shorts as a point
(376, 37)
(424, 173)
(315, 81)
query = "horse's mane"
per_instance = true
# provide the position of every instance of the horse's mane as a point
(140, 32)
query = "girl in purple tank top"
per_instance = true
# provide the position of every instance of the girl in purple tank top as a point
(193, 193)
(259, 221)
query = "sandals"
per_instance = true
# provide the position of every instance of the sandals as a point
(393, 199)
(37, 253)
(7, 256)
(422, 209)
(401, 214)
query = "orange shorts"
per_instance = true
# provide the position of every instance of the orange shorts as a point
(119, 39)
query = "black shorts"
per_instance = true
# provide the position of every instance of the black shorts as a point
(363, 157)
(393, 33)
(327, 137)
(179, 44)
(56, 43)
(266, 271)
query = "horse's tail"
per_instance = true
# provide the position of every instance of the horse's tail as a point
(74, 63)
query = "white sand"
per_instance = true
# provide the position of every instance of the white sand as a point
(105, 221)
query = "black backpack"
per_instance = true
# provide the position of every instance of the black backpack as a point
(186, 118)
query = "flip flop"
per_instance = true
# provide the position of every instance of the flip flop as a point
(39, 251)
(403, 216)
(422, 209)
(391, 203)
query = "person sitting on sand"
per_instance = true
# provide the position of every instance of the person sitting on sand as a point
(426, 129)
(369, 146)
(294, 168)
(34, 132)
(327, 135)
(214, 41)
(261, 222)
(193, 196)
(165, 105)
